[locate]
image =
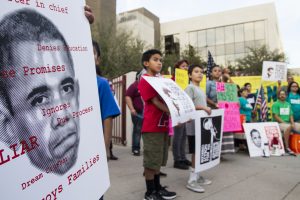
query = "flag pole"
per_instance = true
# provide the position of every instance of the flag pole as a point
(258, 94)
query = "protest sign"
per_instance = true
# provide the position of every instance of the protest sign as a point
(273, 134)
(232, 119)
(226, 92)
(51, 140)
(181, 78)
(209, 131)
(179, 103)
(274, 71)
(257, 140)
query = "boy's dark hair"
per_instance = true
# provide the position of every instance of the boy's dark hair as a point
(192, 67)
(147, 55)
(246, 84)
(178, 63)
(242, 90)
(97, 48)
(21, 26)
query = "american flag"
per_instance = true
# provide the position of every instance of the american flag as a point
(261, 100)
(210, 64)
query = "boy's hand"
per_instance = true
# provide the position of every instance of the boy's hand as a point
(207, 110)
(133, 112)
(89, 14)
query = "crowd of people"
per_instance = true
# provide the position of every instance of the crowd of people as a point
(285, 111)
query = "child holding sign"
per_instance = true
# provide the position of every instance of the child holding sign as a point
(198, 97)
(155, 128)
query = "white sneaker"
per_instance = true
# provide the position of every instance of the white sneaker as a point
(203, 181)
(195, 187)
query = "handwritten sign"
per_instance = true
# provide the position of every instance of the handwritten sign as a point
(179, 103)
(227, 93)
(232, 120)
(220, 87)
(181, 78)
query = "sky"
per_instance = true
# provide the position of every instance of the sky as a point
(288, 15)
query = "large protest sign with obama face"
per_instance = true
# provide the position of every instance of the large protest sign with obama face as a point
(51, 140)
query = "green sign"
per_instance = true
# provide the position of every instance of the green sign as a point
(227, 92)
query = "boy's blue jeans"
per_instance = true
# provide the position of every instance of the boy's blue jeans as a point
(137, 121)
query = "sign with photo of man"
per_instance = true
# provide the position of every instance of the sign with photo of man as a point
(274, 71)
(51, 139)
(258, 143)
(209, 131)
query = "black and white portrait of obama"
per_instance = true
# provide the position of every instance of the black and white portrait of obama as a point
(25, 95)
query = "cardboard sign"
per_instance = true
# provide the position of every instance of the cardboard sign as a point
(274, 71)
(51, 139)
(209, 131)
(232, 119)
(179, 103)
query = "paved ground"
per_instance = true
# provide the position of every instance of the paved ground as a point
(237, 177)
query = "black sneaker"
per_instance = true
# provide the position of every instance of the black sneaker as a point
(187, 162)
(180, 165)
(165, 194)
(161, 174)
(153, 196)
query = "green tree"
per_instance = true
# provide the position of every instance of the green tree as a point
(252, 63)
(192, 56)
(120, 52)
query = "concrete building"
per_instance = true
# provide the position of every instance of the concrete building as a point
(143, 24)
(104, 11)
(226, 34)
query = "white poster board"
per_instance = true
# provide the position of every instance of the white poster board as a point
(209, 131)
(274, 136)
(51, 139)
(179, 103)
(257, 141)
(274, 71)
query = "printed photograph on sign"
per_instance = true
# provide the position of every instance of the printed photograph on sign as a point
(209, 129)
(257, 141)
(274, 71)
(273, 133)
(50, 132)
(180, 105)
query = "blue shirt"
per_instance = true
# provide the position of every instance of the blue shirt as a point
(211, 91)
(108, 105)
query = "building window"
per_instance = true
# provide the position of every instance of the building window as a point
(193, 40)
(220, 37)
(249, 31)
(202, 38)
(239, 33)
(220, 50)
(211, 37)
(239, 47)
(259, 30)
(172, 45)
(229, 35)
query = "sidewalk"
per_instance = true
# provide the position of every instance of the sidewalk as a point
(237, 177)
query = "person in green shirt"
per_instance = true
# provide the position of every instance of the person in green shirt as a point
(283, 114)
(293, 97)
